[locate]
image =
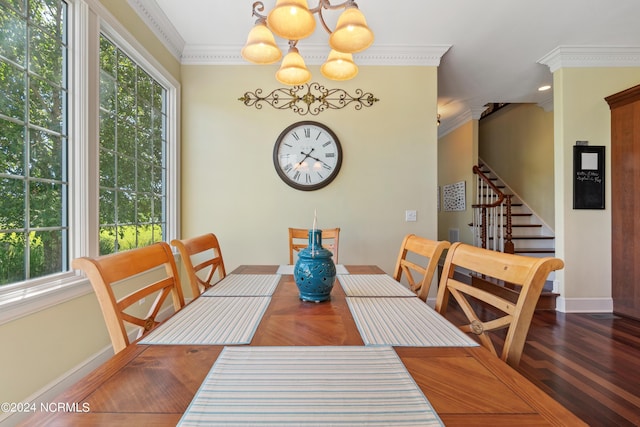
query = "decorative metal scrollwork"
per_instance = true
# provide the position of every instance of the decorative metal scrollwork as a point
(310, 98)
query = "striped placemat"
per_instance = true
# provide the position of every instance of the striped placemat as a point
(288, 269)
(404, 322)
(309, 386)
(212, 321)
(244, 285)
(373, 285)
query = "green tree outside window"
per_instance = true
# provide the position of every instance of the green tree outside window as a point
(33, 139)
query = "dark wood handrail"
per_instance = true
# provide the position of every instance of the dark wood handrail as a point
(508, 242)
(498, 202)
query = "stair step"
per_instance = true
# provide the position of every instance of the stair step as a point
(532, 237)
(535, 250)
(519, 215)
(547, 301)
(517, 225)
(494, 195)
(513, 205)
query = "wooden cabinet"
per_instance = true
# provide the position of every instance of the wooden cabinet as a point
(625, 201)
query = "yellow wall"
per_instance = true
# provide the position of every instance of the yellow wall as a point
(230, 186)
(517, 143)
(457, 154)
(583, 237)
(39, 348)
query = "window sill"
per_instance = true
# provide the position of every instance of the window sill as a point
(21, 301)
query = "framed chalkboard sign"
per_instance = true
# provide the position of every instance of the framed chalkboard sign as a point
(588, 177)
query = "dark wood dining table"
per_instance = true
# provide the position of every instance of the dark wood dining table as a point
(152, 385)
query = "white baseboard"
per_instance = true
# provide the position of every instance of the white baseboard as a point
(584, 305)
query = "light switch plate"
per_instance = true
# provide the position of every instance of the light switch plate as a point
(410, 216)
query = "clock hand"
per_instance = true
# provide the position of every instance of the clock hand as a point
(306, 155)
(317, 160)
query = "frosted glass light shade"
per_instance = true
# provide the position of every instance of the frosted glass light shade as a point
(291, 19)
(351, 34)
(293, 70)
(339, 66)
(261, 46)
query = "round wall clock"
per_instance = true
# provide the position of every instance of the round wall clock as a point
(307, 155)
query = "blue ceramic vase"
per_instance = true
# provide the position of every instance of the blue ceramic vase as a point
(314, 271)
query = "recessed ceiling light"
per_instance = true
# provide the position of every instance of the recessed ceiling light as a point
(543, 88)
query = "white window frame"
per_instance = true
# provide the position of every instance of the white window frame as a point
(87, 19)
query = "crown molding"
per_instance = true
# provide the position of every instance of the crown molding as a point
(454, 122)
(547, 102)
(317, 54)
(591, 56)
(160, 25)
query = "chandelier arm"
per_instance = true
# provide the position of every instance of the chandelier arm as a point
(326, 4)
(321, 4)
(258, 7)
(321, 19)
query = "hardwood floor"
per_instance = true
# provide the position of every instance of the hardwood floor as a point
(588, 362)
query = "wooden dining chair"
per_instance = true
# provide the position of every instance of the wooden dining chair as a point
(299, 239)
(202, 260)
(417, 262)
(488, 310)
(153, 266)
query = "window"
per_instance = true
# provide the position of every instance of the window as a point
(77, 180)
(132, 153)
(33, 139)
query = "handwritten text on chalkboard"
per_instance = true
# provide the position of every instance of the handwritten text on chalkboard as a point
(593, 176)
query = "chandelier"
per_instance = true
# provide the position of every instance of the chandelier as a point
(293, 20)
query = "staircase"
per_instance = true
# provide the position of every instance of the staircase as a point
(502, 222)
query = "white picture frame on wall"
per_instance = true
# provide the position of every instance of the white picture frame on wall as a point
(454, 197)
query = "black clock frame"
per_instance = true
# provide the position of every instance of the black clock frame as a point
(282, 174)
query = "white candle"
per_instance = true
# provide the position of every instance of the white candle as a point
(313, 240)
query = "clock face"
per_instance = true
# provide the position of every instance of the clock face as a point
(307, 155)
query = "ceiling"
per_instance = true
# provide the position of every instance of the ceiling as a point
(497, 51)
